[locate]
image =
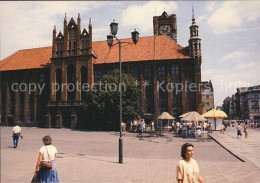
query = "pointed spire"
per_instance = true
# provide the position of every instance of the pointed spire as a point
(193, 19)
(54, 28)
(78, 15)
(65, 18)
(90, 24)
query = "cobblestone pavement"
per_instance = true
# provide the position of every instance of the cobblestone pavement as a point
(93, 157)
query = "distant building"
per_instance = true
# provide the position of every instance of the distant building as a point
(249, 98)
(226, 107)
(244, 104)
(207, 96)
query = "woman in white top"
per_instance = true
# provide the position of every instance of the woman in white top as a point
(47, 153)
(188, 168)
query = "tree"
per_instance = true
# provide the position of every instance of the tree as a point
(102, 104)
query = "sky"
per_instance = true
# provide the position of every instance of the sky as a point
(229, 31)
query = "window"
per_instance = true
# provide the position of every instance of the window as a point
(110, 71)
(207, 103)
(175, 70)
(206, 96)
(41, 78)
(123, 70)
(98, 74)
(149, 92)
(135, 72)
(147, 71)
(161, 71)
(176, 92)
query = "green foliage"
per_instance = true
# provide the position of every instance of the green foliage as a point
(102, 104)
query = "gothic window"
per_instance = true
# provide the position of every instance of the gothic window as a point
(135, 72)
(149, 92)
(206, 96)
(86, 44)
(176, 91)
(58, 83)
(71, 82)
(84, 81)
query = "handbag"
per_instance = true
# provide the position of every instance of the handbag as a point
(35, 178)
(46, 165)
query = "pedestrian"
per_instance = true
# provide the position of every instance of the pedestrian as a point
(47, 153)
(239, 132)
(16, 134)
(188, 168)
(152, 124)
(142, 126)
(245, 130)
(222, 128)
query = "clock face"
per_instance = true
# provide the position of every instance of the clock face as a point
(165, 29)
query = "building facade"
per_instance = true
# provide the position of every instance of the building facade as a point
(45, 86)
(207, 93)
(244, 104)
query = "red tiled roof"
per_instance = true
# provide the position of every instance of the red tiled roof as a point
(147, 49)
(27, 59)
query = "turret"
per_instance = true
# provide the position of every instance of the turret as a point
(65, 34)
(78, 35)
(90, 37)
(54, 48)
(194, 41)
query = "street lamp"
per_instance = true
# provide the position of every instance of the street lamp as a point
(110, 37)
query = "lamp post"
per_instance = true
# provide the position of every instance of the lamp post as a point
(135, 37)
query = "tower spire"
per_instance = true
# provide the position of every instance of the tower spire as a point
(193, 19)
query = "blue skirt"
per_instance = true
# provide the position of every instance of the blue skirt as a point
(49, 176)
(239, 132)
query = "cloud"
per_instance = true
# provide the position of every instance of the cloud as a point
(234, 56)
(248, 66)
(225, 82)
(201, 18)
(231, 15)
(140, 16)
(210, 5)
(29, 24)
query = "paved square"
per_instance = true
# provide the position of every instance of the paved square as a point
(85, 156)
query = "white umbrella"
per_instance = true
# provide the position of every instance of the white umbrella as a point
(167, 116)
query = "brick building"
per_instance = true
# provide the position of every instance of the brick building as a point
(74, 60)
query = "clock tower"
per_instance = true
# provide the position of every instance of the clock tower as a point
(165, 25)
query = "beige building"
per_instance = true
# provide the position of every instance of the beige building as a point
(207, 93)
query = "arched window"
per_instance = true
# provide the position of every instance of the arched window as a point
(71, 82)
(58, 84)
(84, 82)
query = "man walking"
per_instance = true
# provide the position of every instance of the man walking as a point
(16, 134)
